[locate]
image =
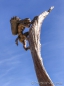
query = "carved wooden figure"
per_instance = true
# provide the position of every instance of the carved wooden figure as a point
(17, 28)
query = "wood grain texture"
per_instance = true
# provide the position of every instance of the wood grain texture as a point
(35, 48)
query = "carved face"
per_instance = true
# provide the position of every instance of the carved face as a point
(25, 22)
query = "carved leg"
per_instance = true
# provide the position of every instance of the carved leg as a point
(16, 41)
(24, 45)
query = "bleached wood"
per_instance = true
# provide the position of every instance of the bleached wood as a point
(35, 47)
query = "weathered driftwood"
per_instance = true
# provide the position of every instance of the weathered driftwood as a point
(35, 47)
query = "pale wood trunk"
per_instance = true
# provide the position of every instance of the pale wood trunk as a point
(35, 48)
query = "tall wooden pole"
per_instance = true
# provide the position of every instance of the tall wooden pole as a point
(35, 47)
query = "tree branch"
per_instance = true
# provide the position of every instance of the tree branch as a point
(35, 47)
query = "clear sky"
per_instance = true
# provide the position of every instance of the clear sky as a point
(16, 65)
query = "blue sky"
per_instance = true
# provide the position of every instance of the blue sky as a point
(16, 65)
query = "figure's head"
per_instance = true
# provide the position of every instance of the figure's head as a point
(26, 22)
